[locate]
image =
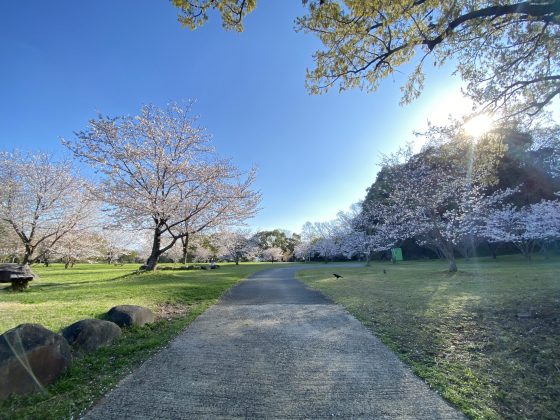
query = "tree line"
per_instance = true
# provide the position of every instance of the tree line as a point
(453, 197)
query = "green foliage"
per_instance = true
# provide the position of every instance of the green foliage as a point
(508, 52)
(526, 166)
(486, 338)
(503, 158)
(195, 13)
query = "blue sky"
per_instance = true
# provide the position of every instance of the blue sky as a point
(62, 62)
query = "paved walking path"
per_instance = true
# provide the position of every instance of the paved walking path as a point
(273, 349)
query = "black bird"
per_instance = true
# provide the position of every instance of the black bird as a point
(338, 276)
(384, 271)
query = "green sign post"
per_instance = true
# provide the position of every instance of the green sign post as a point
(396, 254)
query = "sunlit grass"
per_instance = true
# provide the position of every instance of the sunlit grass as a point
(486, 337)
(60, 297)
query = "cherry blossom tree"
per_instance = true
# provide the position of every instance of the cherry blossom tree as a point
(304, 251)
(375, 230)
(220, 213)
(433, 196)
(41, 200)
(544, 222)
(78, 245)
(236, 245)
(10, 244)
(159, 172)
(116, 242)
(327, 248)
(202, 254)
(526, 227)
(272, 254)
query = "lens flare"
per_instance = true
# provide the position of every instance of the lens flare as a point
(478, 125)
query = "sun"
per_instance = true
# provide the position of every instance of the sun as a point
(478, 125)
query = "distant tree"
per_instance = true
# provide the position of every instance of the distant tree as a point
(116, 242)
(507, 52)
(304, 251)
(78, 245)
(526, 227)
(272, 254)
(376, 230)
(160, 172)
(41, 200)
(272, 238)
(544, 219)
(291, 243)
(326, 248)
(277, 238)
(204, 248)
(235, 245)
(325, 239)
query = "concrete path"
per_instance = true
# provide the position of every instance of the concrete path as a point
(273, 349)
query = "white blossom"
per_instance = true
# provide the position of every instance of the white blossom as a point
(160, 173)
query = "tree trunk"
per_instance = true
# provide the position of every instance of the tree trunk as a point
(544, 250)
(452, 264)
(492, 249)
(185, 244)
(447, 252)
(27, 255)
(153, 259)
(368, 259)
(525, 250)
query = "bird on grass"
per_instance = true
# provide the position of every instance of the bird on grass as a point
(338, 276)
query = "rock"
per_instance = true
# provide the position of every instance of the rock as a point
(18, 275)
(127, 315)
(31, 357)
(89, 334)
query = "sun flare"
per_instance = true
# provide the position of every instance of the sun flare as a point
(478, 125)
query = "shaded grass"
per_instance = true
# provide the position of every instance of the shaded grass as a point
(487, 338)
(61, 297)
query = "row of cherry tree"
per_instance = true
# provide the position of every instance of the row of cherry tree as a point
(156, 174)
(238, 245)
(450, 197)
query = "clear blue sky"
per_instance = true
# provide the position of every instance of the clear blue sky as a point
(64, 61)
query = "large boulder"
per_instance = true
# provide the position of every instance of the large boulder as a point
(31, 357)
(127, 315)
(88, 335)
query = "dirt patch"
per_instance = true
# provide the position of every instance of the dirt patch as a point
(170, 310)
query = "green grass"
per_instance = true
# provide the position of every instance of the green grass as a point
(487, 338)
(60, 297)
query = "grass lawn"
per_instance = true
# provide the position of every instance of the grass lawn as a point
(487, 338)
(60, 297)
